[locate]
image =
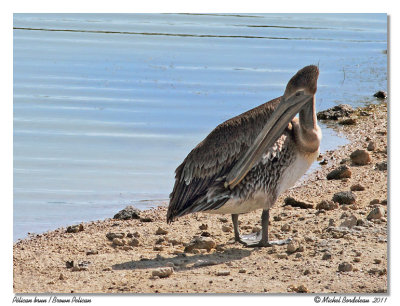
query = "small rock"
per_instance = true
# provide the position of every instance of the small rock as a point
(75, 228)
(306, 272)
(374, 201)
(327, 205)
(349, 222)
(357, 259)
(326, 256)
(377, 261)
(339, 173)
(281, 256)
(294, 203)
(381, 166)
(293, 246)
(146, 219)
(345, 267)
(61, 277)
(255, 229)
(127, 248)
(371, 146)
(360, 157)
(323, 162)
(111, 235)
(205, 234)
(204, 263)
(200, 243)
(376, 213)
(380, 94)
(119, 242)
(161, 231)
(285, 227)
(223, 273)
(336, 112)
(348, 121)
(277, 218)
(242, 270)
(357, 187)
(158, 248)
(163, 272)
(92, 252)
(203, 227)
(344, 197)
(223, 219)
(128, 213)
(226, 228)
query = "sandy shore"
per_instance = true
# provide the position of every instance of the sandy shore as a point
(334, 251)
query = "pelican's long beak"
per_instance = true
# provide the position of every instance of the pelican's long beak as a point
(274, 128)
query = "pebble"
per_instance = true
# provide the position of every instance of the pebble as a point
(158, 248)
(326, 256)
(348, 121)
(357, 259)
(129, 212)
(242, 270)
(360, 157)
(203, 227)
(146, 219)
(61, 277)
(204, 263)
(371, 146)
(119, 242)
(226, 229)
(293, 246)
(277, 218)
(374, 201)
(377, 261)
(299, 289)
(163, 272)
(380, 94)
(92, 252)
(357, 187)
(112, 235)
(127, 248)
(200, 243)
(223, 273)
(349, 222)
(341, 172)
(75, 228)
(223, 219)
(344, 197)
(205, 234)
(376, 213)
(133, 242)
(161, 231)
(255, 229)
(327, 205)
(345, 267)
(294, 203)
(381, 166)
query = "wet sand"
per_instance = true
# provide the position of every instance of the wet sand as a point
(333, 251)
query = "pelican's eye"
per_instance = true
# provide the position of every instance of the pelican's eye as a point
(298, 93)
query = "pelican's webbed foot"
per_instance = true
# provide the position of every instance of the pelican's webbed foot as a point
(259, 239)
(255, 240)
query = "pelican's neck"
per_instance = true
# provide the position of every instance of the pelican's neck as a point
(307, 131)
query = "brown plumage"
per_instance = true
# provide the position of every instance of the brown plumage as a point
(247, 161)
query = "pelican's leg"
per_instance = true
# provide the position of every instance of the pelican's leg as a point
(259, 239)
(235, 222)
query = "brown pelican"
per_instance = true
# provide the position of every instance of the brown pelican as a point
(246, 162)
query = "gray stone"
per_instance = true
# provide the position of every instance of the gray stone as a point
(336, 112)
(376, 213)
(344, 197)
(200, 243)
(345, 267)
(163, 272)
(128, 213)
(327, 205)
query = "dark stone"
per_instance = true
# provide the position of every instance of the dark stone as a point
(339, 173)
(294, 203)
(349, 121)
(381, 166)
(128, 213)
(146, 219)
(344, 197)
(327, 205)
(380, 94)
(357, 187)
(336, 112)
(75, 228)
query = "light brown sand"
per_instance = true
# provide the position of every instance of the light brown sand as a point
(40, 261)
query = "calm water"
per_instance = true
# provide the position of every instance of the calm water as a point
(106, 106)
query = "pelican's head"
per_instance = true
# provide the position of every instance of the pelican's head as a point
(304, 80)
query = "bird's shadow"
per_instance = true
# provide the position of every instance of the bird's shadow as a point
(185, 262)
